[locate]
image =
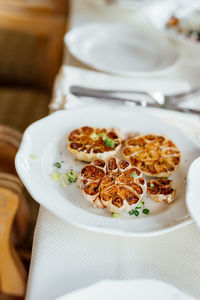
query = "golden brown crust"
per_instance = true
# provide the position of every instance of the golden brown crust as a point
(113, 184)
(154, 155)
(89, 143)
(161, 190)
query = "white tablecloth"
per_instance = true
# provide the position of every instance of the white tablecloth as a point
(65, 258)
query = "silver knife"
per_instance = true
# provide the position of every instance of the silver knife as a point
(158, 99)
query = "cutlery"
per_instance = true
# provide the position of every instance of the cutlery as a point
(158, 99)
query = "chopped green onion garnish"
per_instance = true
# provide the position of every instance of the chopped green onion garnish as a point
(57, 165)
(110, 143)
(134, 212)
(152, 185)
(140, 205)
(71, 176)
(102, 135)
(146, 211)
(134, 175)
(115, 215)
(33, 156)
(56, 176)
(94, 136)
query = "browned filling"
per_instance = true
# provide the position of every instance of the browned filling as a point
(130, 197)
(92, 172)
(152, 154)
(99, 163)
(112, 165)
(160, 186)
(141, 181)
(92, 188)
(117, 201)
(123, 164)
(89, 139)
(115, 187)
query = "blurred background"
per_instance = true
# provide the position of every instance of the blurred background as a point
(31, 44)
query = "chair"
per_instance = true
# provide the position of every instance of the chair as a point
(43, 24)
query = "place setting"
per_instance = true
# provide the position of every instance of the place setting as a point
(162, 159)
(114, 164)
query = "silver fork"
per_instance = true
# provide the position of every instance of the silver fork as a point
(157, 99)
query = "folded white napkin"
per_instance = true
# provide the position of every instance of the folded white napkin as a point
(72, 75)
(63, 99)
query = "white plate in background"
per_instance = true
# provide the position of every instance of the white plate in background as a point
(140, 289)
(46, 139)
(121, 49)
(160, 12)
(193, 188)
(122, 4)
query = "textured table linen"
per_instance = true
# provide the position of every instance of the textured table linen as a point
(65, 257)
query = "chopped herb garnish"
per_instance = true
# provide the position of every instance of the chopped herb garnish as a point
(141, 205)
(71, 176)
(94, 136)
(134, 212)
(110, 143)
(33, 156)
(102, 134)
(146, 211)
(57, 165)
(115, 215)
(134, 175)
(152, 185)
(65, 179)
(56, 176)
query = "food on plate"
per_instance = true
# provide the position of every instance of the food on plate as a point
(161, 190)
(172, 22)
(113, 183)
(154, 155)
(188, 26)
(66, 178)
(139, 208)
(89, 143)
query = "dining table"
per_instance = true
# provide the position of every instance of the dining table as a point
(65, 257)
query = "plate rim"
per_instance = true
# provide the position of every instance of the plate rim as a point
(190, 207)
(141, 74)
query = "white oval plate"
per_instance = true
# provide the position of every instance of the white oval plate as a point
(159, 14)
(142, 289)
(46, 139)
(121, 49)
(193, 196)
